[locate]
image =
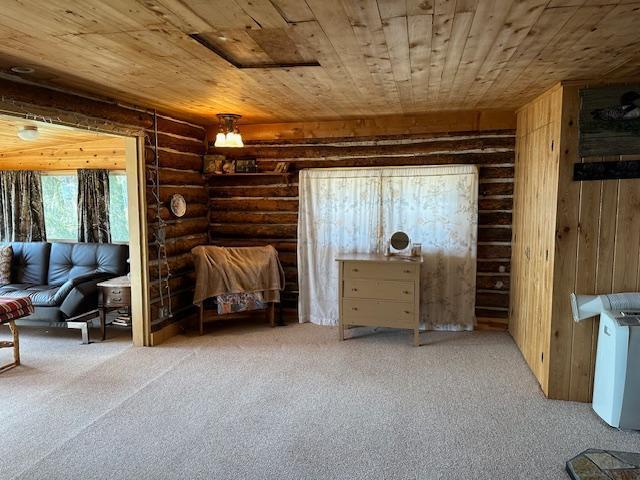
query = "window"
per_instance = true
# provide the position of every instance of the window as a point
(118, 212)
(60, 197)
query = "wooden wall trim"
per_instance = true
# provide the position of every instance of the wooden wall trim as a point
(565, 263)
(435, 122)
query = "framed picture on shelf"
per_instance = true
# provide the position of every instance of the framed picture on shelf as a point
(213, 164)
(246, 165)
(229, 166)
(282, 167)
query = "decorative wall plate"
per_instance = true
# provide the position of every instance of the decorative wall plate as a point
(178, 205)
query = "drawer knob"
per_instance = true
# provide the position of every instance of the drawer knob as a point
(354, 289)
(407, 271)
(407, 312)
(355, 269)
(115, 292)
(406, 292)
(354, 308)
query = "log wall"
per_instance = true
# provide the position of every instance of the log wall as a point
(180, 171)
(180, 148)
(260, 209)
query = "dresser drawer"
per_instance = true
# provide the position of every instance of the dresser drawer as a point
(378, 289)
(378, 313)
(385, 271)
(116, 296)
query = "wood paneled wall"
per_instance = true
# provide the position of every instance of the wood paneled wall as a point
(591, 231)
(248, 210)
(536, 186)
(180, 148)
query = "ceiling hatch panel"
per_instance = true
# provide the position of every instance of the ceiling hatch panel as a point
(259, 48)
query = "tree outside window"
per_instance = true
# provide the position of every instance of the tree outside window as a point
(60, 197)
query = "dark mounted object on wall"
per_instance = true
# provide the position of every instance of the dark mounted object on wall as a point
(606, 170)
(610, 121)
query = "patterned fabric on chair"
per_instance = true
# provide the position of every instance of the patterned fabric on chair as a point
(14, 308)
(10, 310)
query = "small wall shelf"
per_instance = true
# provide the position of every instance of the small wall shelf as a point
(273, 174)
(284, 177)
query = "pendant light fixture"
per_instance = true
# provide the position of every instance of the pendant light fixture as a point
(228, 134)
(28, 133)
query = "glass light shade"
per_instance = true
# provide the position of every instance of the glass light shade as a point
(220, 140)
(228, 135)
(28, 133)
(234, 139)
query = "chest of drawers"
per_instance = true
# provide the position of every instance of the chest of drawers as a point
(379, 291)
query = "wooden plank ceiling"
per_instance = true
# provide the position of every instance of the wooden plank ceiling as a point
(376, 57)
(57, 148)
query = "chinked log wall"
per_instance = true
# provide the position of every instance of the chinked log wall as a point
(180, 171)
(251, 210)
(180, 149)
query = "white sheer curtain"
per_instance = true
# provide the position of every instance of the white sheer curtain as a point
(356, 209)
(339, 213)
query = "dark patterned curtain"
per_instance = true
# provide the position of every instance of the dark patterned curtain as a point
(21, 207)
(93, 206)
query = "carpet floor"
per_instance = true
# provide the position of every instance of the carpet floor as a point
(251, 402)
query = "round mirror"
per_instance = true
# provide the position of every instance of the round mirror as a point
(399, 240)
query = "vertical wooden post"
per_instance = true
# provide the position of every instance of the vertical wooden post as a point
(16, 342)
(340, 286)
(271, 314)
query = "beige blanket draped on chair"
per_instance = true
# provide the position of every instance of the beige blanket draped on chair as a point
(221, 270)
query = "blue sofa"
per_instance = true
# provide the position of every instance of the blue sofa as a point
(61, 279)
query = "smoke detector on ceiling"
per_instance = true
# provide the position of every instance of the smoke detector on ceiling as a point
(22, 69)
(28, 132)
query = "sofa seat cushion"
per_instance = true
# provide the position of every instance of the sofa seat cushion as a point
(40, 295)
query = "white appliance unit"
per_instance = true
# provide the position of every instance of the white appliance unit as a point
(616, 387)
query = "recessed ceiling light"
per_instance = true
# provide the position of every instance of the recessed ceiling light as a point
(23, 70)
(28, 132)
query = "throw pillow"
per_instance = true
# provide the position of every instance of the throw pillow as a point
(6, 255)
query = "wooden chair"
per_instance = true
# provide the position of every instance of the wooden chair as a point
(211, 315)
(15, 343)
(12, 309)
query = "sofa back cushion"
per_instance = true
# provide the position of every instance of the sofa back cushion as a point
(69, 260)
(30, 262)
